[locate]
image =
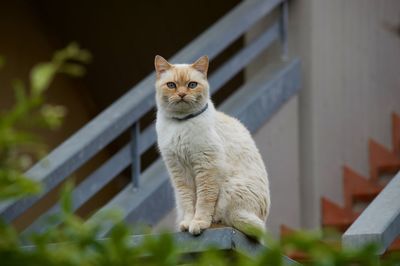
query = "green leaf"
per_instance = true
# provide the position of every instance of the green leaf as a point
(72, 52)
(9, 237)
(52, 115)
(41, 76)
(15, 185)
(72, 69)
(19, 90)
(66, 198)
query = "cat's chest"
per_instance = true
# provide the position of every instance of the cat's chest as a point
(183, 138)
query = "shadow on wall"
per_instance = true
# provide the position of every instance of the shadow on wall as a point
(125, 36)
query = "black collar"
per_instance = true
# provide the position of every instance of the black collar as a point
(191, 115)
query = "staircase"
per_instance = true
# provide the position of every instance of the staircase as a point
(359, 191)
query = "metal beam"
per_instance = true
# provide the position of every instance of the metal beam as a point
(258, 100)
(240, 60)
(380, 222)
(147, 205)
(226, 238)
(135, 154)
(89, 187)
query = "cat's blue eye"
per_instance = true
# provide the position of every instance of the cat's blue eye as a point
(171, 85)
(192, 84)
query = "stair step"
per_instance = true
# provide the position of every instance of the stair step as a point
(286, 230)
(335, 216)
(357, 188)
(396, 133)
(294, 255)
(395, 246)
(382, 161)
(360, 206)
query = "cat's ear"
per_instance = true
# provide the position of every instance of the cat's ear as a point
(161, 65)
(201, 64)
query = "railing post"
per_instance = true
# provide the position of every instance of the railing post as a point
(283, 22)
(135, 153)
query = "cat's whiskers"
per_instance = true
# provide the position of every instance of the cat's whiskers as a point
(173, 100)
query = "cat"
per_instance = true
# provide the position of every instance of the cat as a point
(216, 170)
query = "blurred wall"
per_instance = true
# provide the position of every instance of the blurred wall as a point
(351, 73)
(124, 36)
(278, 142)
(23, 43)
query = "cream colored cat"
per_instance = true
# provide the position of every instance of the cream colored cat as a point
(216, 170)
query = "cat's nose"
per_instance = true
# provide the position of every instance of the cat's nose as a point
(181, 94)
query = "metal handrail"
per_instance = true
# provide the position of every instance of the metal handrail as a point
(379, 223)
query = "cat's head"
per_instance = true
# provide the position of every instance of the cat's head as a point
(181, 89)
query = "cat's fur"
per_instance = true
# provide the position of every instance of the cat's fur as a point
(215, 167)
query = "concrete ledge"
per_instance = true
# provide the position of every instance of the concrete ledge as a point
(226, 238)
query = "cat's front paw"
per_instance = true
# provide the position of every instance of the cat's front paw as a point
(197, 226)
(184, 225)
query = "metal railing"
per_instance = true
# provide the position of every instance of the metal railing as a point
(380, 222)
(253, 103)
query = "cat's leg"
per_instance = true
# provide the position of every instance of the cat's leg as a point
(207, 189)
(248, 223)
(185, 194)
(185, 198)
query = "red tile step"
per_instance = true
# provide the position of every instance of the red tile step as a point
(294, 255)
(357, 188)
(396, 134)
(335, 216)
(395, 246)
(381, 161)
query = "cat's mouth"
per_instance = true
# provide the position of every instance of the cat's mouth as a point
(182, 101)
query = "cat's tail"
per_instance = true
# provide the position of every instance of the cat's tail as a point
(248, 223)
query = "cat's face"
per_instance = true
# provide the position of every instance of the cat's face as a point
(181, 89)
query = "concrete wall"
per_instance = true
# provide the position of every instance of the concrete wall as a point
(351, 86)
(278, 142)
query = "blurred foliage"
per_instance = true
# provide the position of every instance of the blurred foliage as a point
(75, 242)
(2, 62)
(18, 146)
(78, 245)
